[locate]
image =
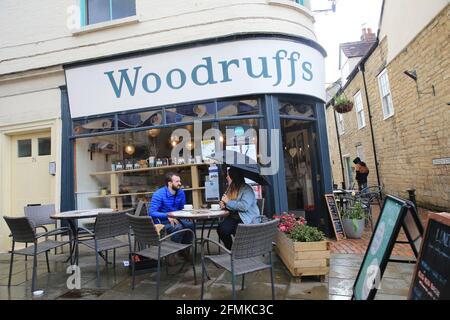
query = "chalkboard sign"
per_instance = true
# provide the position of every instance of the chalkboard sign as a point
(431, 280)
(335, 217)
(380, 248)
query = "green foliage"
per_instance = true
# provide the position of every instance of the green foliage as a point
(356, 212)
(340, 100)
(305, 233)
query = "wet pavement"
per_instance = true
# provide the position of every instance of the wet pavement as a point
(115, 283)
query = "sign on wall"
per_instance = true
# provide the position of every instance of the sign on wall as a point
(200, 73)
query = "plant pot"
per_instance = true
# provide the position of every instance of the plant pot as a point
(343, 108)
(303, 258)
(353, 227)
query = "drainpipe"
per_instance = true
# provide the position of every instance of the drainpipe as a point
(340, 152)
(362, 69)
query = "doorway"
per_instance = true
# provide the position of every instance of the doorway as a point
(31, 182)
(348, 172)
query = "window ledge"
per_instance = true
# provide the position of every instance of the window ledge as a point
(293, 5)
(389, 116)
(106, 25)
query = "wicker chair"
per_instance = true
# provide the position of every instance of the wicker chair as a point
(23, 231)
(153, 247)
(252, 242)
(107, 227)
(39, 217)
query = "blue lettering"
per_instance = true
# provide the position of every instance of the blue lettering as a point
(157, 82)
(264, 72)
(182, 78)
(307, 66)
(295, 56)
(225, 66)
(123, 76)
(278, 59)
(209, 71)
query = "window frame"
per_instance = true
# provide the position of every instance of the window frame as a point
(360, 116)
(84, 21)
(384, 76)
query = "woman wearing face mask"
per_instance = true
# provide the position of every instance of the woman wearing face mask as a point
(240, 200)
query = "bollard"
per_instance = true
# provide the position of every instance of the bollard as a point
(412, 196)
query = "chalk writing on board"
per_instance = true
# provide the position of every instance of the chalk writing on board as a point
(431, 280)
(335, 217)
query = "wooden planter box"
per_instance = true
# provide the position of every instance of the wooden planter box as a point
(304, 258)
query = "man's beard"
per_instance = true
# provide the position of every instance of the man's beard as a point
(176, 188)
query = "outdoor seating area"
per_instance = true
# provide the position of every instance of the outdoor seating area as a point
(261, 273)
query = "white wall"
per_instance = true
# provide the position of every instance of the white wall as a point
(35, 33)
(402, 20)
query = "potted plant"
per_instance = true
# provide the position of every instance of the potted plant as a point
(302, 248)
(342, 104)
(353, 220)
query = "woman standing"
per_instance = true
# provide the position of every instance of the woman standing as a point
(241, 201)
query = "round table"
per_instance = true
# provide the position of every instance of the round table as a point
(72, 219)
(199, 214)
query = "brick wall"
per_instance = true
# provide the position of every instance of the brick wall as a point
(418, 132)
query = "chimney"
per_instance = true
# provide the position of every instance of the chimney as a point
(367, 35)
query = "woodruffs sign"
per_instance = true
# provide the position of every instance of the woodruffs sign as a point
(214, 71)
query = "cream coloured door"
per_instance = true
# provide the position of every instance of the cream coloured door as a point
(31, 181)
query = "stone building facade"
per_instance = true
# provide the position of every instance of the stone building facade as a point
(412, 144)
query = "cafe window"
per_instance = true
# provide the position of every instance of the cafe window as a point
(24, 148)
(232, 108)
(385, 93)
(191, 112)
(94, 125)
(296, 109)
(96, 11)
(140, 119)
(359, 110)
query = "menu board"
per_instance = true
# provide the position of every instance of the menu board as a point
(431, 280)
(380, 248)
(335, 217)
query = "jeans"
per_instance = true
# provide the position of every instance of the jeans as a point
(227, 228)
(362, 185)
(185, 237)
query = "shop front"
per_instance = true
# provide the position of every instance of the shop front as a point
(129, 119)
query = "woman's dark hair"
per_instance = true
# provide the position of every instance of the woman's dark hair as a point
(237, 182)
(356, 160)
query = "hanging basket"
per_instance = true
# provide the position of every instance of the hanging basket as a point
(343, 108)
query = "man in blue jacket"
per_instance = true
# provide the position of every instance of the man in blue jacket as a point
(167, 199)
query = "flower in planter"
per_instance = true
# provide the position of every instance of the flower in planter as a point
(342, 104)
(288, 222)
(355, 213)
(297, 230)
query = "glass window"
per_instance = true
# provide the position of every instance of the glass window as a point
(44, 146)
(296, 109)
(140, 119)
(190, 112)
(359, 110)
(360, 152)
(385, 93)
(93, 125)
(24, 148)
(230, 108)
(105, 10)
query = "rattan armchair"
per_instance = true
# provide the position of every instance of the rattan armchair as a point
(23, 231)
(251, 243)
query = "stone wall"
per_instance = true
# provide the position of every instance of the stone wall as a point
(418, 132)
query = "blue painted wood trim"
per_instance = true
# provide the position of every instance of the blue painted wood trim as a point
(83, 13)
(279, 202)
(325, 185)
(67, 155)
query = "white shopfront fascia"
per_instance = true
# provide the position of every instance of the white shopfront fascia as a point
(257, 66)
